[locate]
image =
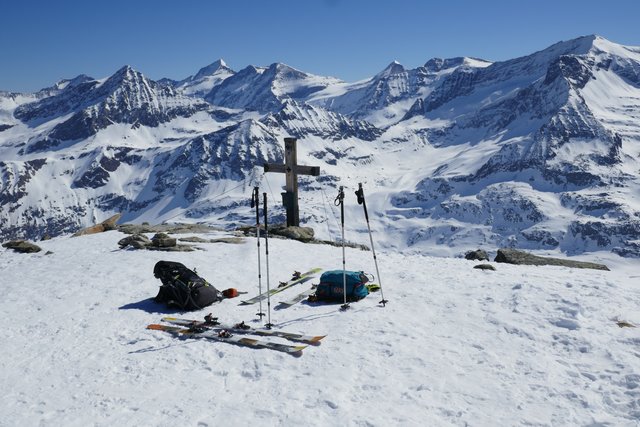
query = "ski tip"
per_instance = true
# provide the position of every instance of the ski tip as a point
(297, 350)
(156, 327)
(169, 319)
(317, 339)
(159, 327)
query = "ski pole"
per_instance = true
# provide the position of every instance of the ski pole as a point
(361, 201)
(255, 202)
(340, 202)
(266, 246)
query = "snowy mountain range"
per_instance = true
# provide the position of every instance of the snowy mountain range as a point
(537, 152)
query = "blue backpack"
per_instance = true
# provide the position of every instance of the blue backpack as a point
(331, 286)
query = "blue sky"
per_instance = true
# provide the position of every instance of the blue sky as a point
(42, 42)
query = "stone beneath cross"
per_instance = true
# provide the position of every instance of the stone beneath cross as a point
(292, 170)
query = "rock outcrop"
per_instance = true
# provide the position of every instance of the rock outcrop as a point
(513, 256)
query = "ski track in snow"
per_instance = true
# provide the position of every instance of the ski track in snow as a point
(534, 346)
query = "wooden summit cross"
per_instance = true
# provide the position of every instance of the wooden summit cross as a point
(292, 170)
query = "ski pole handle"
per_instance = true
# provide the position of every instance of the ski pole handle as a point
(360, 194)
(340, 202)
(340, 197)
(361, 201)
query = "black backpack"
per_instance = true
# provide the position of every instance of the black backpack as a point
(183, 288)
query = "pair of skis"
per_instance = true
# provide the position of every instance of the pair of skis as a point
(235, 334)
(302, 278)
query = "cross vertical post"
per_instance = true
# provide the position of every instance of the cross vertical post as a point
(291, 169)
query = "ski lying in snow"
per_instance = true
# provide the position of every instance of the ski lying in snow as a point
(242, 328)
(372, 287)
(225, 336)
(296, 299)
(296, 280)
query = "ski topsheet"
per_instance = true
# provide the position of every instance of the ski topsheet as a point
(296, 299)
(303, 278)
(245, 329)
(223, 336)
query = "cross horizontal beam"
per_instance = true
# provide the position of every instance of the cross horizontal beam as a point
(299, 170)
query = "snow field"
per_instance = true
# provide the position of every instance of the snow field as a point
(454, 345)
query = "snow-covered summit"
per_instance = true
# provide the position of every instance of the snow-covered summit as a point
(264, 90)
(393, 68)
(205, 79)
(213, 68)
(64, 84)
(127, 96)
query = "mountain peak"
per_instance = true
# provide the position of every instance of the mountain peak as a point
(65, 83)
(216, 67)
(601, 44)
(579, 45)
(282, 71)
(126, 69)
(125, 73)
(282, 68)
(394, 68)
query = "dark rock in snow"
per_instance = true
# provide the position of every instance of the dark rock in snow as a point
(22, 246)
(303, 234)
(513, 256)
(485, 267)
(163, 240)
(477, 255)
(136, 241)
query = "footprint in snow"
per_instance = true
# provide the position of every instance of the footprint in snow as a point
(566, 324)
(331, 404)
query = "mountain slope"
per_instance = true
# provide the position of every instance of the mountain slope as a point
(390, 94)
(90, 106)
(546, 131)
(538, 152)
(301, 120)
